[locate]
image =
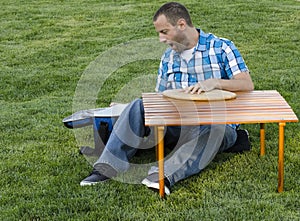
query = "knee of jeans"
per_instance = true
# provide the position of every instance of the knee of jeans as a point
(137, 104)
(137, 101)
(216, 129)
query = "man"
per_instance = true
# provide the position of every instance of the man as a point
(197, 62)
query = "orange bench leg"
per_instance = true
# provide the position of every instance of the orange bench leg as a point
(160, 158)
(281, 157)
(262, 139)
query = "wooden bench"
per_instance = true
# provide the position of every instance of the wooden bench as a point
(247, 108)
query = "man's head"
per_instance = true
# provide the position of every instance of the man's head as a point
(173, 12)
(173, 23)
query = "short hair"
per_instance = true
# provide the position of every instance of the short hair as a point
(173, 12)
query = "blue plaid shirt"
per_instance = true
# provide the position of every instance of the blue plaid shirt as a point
(213, 57)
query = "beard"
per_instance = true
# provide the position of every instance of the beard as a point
(179, 43)
(178, 47)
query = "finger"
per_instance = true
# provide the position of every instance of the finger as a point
(195, 89)
(188, 89)
(200, 91)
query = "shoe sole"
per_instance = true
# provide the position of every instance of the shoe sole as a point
(84, 183)
(155, 186)
(87, 183)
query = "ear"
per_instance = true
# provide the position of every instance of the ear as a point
(181, 24)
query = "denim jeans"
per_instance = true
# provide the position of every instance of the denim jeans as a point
(194, 147)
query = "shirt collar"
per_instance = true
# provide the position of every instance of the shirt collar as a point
(201, 46)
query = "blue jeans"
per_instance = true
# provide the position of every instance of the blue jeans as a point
(194, 147)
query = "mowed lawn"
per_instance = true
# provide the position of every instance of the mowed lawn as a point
(47, 47)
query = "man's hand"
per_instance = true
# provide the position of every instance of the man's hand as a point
(203, 86)
(240, 82)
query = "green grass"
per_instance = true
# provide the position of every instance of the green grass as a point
(46, 46)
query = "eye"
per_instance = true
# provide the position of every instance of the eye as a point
(164, 32)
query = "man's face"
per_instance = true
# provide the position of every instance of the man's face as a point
(169, 34)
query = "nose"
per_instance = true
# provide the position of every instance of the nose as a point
(162, 38)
